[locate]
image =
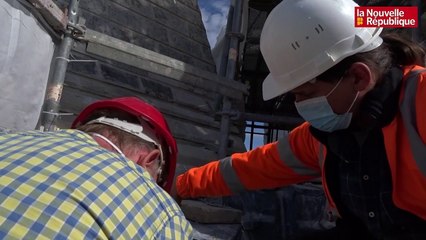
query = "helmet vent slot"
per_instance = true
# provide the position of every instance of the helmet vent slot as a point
(319, 29)
(295, 45)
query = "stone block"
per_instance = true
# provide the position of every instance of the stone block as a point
(203, 213)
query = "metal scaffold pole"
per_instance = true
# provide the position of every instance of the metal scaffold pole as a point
(235, 37)
(56, 81)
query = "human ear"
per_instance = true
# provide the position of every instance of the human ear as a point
(148, 161)
(362, 76)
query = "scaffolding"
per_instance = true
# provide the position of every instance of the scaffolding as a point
(67, 24)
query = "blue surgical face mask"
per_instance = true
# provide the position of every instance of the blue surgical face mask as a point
(318, 112)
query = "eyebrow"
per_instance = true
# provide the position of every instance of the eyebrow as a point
(300, 91)
(296, 92)
(304, 91)
(303, 94)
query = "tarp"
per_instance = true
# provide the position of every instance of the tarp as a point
(26, 51)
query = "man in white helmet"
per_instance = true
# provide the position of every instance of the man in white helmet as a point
(363, 97)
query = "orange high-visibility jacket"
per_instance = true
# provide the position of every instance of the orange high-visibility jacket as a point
(299, 157)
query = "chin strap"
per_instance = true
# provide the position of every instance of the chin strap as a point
(109, 142)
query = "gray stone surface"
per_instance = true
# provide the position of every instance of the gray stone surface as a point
(295, 212)
(216, 231)
(173, 27)
(204, 213)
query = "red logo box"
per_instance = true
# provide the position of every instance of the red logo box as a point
(386, 17)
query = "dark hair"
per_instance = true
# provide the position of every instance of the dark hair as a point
(394, 51)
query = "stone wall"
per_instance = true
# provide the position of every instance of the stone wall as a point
(170, 27)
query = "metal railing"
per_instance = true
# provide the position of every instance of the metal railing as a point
(260, 133)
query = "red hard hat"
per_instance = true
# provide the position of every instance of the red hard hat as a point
(148, 113)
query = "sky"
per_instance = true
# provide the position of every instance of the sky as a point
(214, 14)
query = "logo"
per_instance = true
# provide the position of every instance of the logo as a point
(387, 17)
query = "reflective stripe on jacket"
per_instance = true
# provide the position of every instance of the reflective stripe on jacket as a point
(299, 157)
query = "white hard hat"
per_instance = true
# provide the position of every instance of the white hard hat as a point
(303, 38)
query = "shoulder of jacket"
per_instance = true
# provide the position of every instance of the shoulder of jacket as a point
(303, 129)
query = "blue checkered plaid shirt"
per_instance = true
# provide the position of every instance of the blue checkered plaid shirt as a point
(63, 185)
